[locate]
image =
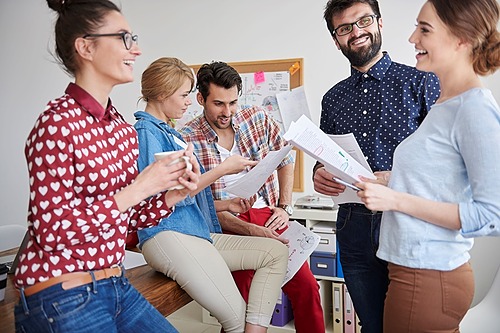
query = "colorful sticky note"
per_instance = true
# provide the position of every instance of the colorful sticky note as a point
(259, 77)
(294, 68)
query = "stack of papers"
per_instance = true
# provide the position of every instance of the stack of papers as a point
(305, 135)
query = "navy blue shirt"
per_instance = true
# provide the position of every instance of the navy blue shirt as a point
(380, 107)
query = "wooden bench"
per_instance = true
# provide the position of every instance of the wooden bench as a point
(162, 292)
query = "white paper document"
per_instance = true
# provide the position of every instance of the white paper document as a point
(305, 135)
(252, 181)
(292, 105)
(301, 243)
(350, 145)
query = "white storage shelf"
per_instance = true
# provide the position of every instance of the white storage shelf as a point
(311, 218)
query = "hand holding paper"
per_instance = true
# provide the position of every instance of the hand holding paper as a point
(314, 142)
(251, 182)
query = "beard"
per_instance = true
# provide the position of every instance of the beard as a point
(362, 56)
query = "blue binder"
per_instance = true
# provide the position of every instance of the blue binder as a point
(340, 273)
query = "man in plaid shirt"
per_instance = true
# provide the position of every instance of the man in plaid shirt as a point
(224, 130)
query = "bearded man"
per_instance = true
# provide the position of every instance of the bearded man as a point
(381, 103)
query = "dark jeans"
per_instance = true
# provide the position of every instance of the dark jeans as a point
(365, 275)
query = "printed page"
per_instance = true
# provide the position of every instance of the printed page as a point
(305, 135)
(292, 105)
(251, 182)
(349, 143)
(302, 242)
(314, 142)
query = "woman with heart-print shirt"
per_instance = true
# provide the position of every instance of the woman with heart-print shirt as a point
(189, 246)
(86, 194)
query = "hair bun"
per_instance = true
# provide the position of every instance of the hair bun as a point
(57, 5)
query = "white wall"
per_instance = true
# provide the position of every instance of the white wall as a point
(196, 32)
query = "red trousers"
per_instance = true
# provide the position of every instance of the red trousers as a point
(302, 290)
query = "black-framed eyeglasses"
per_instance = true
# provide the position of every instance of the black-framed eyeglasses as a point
(127, 37)
(363, 22)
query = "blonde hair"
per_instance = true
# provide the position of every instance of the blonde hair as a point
(163, 78)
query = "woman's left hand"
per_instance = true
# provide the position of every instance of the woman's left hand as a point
(189, 180)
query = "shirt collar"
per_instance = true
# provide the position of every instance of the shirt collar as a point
(158, 122)
(377, 71)
(146, 116)
(207, 130)
(88, 102)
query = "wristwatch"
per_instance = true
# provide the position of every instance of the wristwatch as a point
(288, 209)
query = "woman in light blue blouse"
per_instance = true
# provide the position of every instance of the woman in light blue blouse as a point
(189, 246)
(443, 188)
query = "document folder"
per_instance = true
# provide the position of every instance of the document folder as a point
(338, 307)
(358, 323)
(349, 318)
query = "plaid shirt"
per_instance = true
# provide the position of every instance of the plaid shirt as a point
(256, 135)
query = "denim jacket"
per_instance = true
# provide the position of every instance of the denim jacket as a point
(192, 216)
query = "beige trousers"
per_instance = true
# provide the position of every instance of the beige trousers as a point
(203, 270)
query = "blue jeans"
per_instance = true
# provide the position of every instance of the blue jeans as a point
(365, 275)
(109, 305)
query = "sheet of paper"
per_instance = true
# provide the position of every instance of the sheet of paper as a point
(305, 135)
(251, 182)
(301, 243)
(349, 143)
(133, 259)
(292, 105)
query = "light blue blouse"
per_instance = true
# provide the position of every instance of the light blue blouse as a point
(454, 156)
(192, 216)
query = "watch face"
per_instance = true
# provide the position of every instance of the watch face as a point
(288, 209)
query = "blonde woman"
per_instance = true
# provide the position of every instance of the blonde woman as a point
(189, 246)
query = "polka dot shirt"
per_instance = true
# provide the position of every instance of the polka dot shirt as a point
(380, 107)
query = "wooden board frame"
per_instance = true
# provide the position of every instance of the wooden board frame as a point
(295, 66)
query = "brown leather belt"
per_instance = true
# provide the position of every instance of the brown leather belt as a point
(72, 280)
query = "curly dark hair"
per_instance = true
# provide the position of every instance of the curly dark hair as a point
(218, 73)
